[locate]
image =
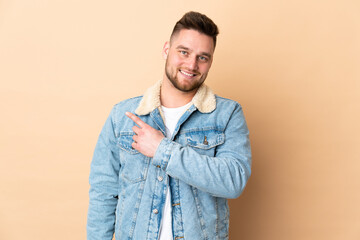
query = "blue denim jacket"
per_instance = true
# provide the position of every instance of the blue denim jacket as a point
(207, 160)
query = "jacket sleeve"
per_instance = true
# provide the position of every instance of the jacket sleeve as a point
(224, 175)
(103, 181)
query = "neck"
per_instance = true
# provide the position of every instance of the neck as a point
(172, 97)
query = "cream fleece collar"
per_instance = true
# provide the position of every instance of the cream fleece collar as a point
(204, 100)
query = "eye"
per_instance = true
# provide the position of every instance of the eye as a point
(183, 52)
(203, 59)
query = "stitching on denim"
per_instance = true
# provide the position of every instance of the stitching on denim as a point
(181, 230)
(202, 221)
(120, 210)
(113, 120)
(219, 140)
(126, 133)
(165, 161)
(153, 117)
(124, 142)
(152, 207)
(144, 172)
(177, 217)
(216, 128)
(217, 218)
(136, 209)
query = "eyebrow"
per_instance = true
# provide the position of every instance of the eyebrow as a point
(188, 49)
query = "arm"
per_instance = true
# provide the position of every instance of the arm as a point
(103, 181)
(224, 175)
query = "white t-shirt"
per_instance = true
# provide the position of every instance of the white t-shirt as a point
(172, 116)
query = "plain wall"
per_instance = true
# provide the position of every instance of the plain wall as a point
(294, 66)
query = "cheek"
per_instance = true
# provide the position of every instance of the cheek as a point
(176, 61)
(176, 58)
(205, 68)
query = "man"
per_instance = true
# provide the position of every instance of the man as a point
(166, 162)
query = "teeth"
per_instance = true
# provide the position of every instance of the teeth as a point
(187, 74)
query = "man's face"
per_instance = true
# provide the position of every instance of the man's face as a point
(188, 59)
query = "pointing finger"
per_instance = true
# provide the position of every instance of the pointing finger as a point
(137, 120)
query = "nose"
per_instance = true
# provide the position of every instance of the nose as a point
(192, 63)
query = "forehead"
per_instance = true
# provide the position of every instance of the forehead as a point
(193, 40)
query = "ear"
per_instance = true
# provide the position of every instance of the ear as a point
(166, 48)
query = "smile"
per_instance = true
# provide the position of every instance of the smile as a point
(187, 74)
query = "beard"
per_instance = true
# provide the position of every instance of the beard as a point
(172, 76)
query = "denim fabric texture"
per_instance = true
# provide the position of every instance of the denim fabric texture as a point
(207, 161)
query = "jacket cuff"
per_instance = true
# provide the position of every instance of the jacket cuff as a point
(163, 153)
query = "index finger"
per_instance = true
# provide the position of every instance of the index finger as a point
(136, 119)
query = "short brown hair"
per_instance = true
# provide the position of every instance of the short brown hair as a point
(199, 22)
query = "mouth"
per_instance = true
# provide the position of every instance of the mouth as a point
(187, 74)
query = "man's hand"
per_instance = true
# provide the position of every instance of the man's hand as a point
(146, 138)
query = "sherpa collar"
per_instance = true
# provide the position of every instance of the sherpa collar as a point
(204, 100)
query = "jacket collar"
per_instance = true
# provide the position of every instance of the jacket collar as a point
(204, 100)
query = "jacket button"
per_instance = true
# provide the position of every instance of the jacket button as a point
(155, 211)
(160, 178)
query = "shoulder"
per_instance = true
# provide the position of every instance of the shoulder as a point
(226, 103)
(231, 112)
(127, 105)
(129, 101)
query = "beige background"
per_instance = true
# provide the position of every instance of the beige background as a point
(293, 65)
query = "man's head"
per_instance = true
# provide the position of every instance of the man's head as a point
(189, 53)
(196, 21)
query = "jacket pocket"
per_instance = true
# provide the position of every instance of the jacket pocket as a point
(134, 164)
(204, 140)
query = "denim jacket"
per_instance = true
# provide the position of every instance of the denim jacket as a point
(207, 160)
